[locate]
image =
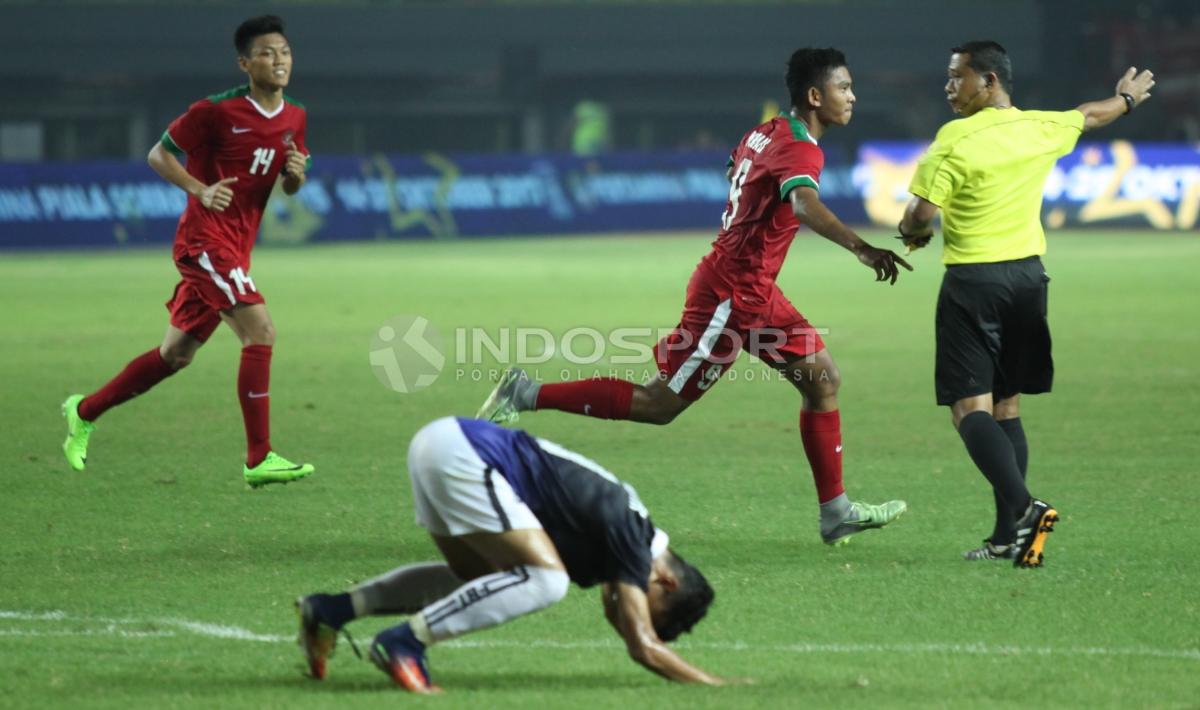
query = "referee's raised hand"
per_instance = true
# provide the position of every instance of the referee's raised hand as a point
(883, 261)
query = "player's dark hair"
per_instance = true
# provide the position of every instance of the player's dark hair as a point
(988, 56)
(811, 67)
(255, 27)
(688, 603)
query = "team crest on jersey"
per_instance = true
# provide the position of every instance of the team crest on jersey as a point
(287, 138)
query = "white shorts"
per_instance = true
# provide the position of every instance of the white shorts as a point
(455, 492)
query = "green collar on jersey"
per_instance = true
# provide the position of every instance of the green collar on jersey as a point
(244, 90)
(799, 130)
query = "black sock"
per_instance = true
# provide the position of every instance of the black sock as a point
(993, 454)
(338, 610)
(1016, 435)
(1005, 530)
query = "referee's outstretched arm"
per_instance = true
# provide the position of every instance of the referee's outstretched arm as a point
(1132, 90)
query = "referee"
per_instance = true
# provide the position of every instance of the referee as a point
(986, 171)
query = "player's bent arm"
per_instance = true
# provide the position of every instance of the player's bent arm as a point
(630, 617)
(1097, 114)
(171, 170)
(292, 184)
(808, 208)
(294, 175)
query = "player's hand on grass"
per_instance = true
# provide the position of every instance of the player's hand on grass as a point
(1136, 85)
(218, 195)
(883, 261)
(296, 164)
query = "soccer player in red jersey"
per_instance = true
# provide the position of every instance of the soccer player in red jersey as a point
(733, 302)
(237, 145)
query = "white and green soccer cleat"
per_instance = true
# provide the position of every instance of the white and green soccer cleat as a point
(275, 469)
(501, 404)
(863, 516)
(78, 430)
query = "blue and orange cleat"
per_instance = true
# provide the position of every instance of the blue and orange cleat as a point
(318, 636)
(398, 652)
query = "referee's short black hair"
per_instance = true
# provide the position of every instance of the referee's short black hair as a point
(809, 67)
(988, 56)
(688, 603)
(256, 27)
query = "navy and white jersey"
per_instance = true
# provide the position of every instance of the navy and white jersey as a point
(601, 529)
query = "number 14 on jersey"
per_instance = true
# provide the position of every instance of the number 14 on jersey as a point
(262, 158)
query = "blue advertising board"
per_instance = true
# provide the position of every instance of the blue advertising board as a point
(109, 203)
(1119, 184)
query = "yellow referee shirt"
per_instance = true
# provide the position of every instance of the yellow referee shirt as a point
(987, 173)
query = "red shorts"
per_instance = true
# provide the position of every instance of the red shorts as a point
(712, 332)
(215, 281)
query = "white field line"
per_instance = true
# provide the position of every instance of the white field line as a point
(170, 627)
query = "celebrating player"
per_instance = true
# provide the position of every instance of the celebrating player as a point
(986, 172)
(516, 519)
(237, 145)
(733, 302)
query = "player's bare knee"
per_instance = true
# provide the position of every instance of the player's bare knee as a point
(262, 335)
(176, 358)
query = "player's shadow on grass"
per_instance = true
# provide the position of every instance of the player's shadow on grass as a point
(451, 681)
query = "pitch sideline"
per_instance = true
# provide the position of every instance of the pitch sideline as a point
(172, 627)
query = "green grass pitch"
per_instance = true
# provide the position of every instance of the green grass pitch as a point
(155, 579)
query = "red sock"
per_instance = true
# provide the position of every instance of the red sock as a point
(253, 383)
(142, 373)
(602, 397)
(822, 436)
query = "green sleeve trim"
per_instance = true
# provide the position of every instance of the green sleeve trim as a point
(169, 143)
(729, 163)
(308, 164)
(233, 93)
(794, 182)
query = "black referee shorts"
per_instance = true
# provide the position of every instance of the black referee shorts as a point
(992, 334)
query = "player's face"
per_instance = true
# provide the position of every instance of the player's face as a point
(963, 86)
(269, 63)
(837, 98)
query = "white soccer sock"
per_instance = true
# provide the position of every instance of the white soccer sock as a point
(488, 601)
(404, 590)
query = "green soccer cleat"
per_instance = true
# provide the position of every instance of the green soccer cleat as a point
(863, 516)
(501, 405)
(275, 469)
(78, 431)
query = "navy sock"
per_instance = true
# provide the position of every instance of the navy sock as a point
(993, 454)
(338, 610)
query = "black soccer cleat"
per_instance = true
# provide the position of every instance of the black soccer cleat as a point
(1032, 529)
(991, 551)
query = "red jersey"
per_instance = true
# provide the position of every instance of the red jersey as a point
(758, 224)
(230, 135)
